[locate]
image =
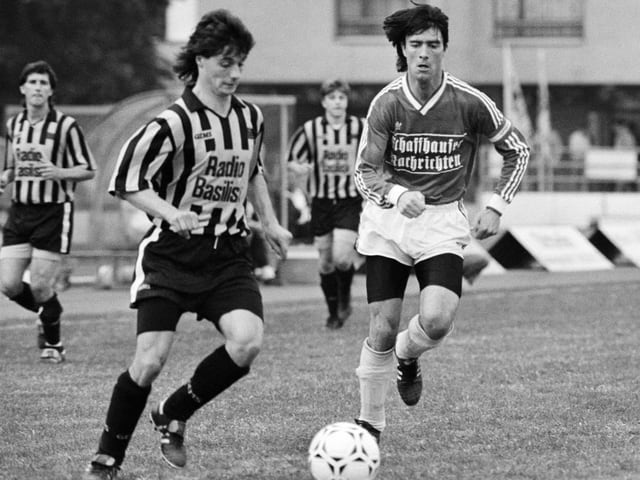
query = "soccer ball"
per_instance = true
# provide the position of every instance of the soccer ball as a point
(343, 451)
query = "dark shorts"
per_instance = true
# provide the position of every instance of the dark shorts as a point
(46, 226)
(209, 276)
(328, 214)
(387, 278)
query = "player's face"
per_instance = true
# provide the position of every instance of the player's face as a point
(335, 103)
(425, 53)
(36, 90)
(221, 73)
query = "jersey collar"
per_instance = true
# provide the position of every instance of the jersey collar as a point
(423, 109)
(193, 103)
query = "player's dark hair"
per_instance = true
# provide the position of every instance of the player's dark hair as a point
(333, 84)
(403, 23)
(216, 32)
(39, 66)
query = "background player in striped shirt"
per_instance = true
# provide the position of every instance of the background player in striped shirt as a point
(324, 151)
(191, 169)
(46, 157)
(414, 163)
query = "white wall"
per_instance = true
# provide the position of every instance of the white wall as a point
(296, 43)
(578, 209)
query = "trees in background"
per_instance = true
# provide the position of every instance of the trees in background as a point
(101, 50)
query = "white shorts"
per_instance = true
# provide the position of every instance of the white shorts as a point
(439, 229)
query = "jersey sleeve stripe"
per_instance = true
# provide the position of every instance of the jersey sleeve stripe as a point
(489, 104)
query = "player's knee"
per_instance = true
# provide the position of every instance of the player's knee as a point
(146, 368)
(436, 326)
(343, 263)
(244, 353)
(41, 289)
(11, 289)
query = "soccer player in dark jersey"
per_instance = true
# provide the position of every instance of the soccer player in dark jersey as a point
(46, 156)
(415, 158)
(324, 150)
(191, 169)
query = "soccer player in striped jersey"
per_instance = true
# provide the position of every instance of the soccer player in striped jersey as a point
(324, 150)
(46, 156)
(191, 169)
(415, 158)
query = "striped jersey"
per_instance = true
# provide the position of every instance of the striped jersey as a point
(196, 160)
(432, 147)
(56, 139)
(332, 152)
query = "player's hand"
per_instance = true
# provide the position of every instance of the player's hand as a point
(49, 171)
(486, 225)
(182, 222)
(411, 204)
(279, 239)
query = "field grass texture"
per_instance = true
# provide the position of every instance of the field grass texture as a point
(535, 383)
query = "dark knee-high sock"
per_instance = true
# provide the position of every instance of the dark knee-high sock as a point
(50, 317)
(127, 404)
(213, 375)
(345, 279)
(25, 298)
(329, 285)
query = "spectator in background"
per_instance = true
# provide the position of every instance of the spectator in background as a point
(578, 145)
(623, 137)
(45, 156)
(325, 148)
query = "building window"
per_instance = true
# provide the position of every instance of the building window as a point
(364, 17)
(538, 19)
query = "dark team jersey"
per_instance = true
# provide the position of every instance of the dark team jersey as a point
(196, 160)
(332, 152)
(56, 139)
(432, 147)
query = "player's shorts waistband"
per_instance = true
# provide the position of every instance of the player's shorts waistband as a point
(444, 206)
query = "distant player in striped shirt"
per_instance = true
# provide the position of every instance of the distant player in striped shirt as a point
(415, 159)
(324, 150)
(191, 169)
(46, 157)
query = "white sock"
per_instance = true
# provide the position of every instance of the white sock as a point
(414, 341)
(375, 372)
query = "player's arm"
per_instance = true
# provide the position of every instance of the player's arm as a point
(180, 221)
(298, 156)
(82, 166)
(277, 236)
(370, 177)
(134, 173)
(8, 171)
(512, 146)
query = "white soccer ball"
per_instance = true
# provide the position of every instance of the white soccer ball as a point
(343, 451)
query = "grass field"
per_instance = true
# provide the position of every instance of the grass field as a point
(535, 383)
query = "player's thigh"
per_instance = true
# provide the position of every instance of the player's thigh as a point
(234, 307)
(440, 280)
(344, 250)
(324, 245)
(386, 278)
(152, 351)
